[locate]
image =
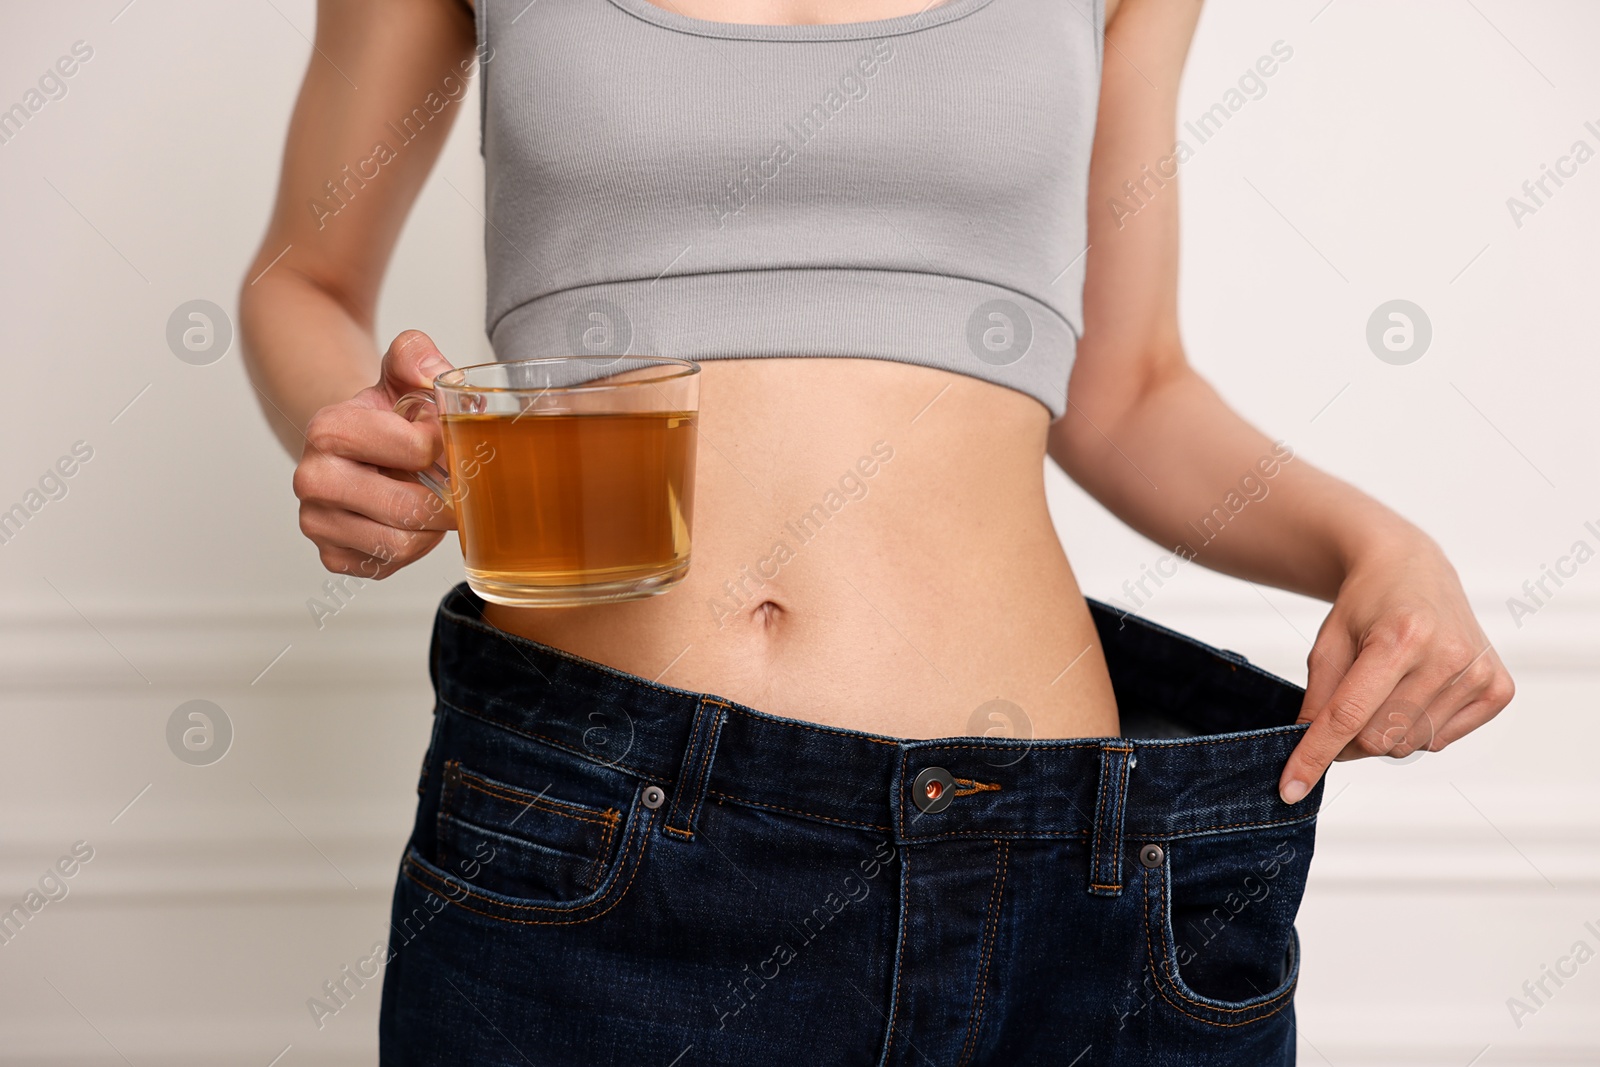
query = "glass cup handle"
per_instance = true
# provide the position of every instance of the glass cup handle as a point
(436, 476)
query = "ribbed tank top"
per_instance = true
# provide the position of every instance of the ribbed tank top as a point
(910, 189)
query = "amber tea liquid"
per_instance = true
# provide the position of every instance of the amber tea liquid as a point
(569, 507)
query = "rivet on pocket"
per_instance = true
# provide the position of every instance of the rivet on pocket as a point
(1152, 856)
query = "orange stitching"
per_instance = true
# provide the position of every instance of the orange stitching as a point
(640, 773)
(794, 811)
(520, 907)
(992, 748)
(900, 942)
(1020, 835)
(677, 796)
(1115, 858)
(1158, 743)
(777, 720)
(521, 794)
(705, 763)
(1212, 1022)
(1160, 975)
(1239, 826)
(901, 803)
(528, 922)
(999, 905)
(991, 936)
(983, 960)
(493, 631)
(552, 742)
(411, 867)
(515, 797)
(1101, 802)
(1162, 889)
(605, 849)
(478, 624)
(1096, 864)
(687, 835)
(971, 786)
(1150, 743)
(446, 792)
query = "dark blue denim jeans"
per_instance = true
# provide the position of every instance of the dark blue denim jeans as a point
(605, 870)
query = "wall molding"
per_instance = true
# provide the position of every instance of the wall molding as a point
(379, 643)
(210, 862)
(53, 648)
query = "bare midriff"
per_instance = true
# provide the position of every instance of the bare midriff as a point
(871, 550)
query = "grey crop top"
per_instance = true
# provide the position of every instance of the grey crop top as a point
(910, 189)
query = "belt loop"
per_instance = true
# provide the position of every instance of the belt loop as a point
(1105, 851)
(695, 772)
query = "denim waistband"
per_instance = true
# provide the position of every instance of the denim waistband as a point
(1220, 731)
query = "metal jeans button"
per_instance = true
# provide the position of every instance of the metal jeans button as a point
(1151, 855)
(653, 797)
(933, 790)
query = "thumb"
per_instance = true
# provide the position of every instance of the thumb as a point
(412, 362)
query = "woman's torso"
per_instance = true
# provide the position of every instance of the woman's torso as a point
(872, 548)
(901, 601)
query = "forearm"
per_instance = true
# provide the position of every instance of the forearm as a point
(1184, 469)
(303, 348)
(306, 304)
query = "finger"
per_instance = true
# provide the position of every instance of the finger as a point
(355, 562)
(339, 560)
(1464, 722)
(344, 485)
(333, 528)
(1370, 680)
(1326, 666)
(412, 362)
(1403, 713)
(379, 437)
(1483, 676)
(1495, 696)
(1423, 736)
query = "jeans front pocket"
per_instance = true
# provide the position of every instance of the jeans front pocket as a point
(1220, 913)
(528, 844)
(558, 844)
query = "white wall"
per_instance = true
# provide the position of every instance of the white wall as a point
(1376, 166)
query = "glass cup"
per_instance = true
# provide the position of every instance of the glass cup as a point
(572, 477)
